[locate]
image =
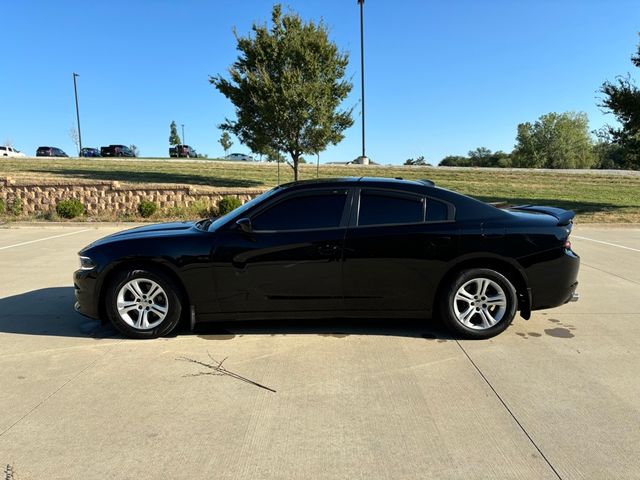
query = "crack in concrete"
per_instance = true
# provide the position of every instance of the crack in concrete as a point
(44, 400)
(504, 404)
(610, 273)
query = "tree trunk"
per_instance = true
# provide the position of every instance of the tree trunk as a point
(296, 159)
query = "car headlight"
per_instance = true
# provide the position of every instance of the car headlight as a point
(86, 263)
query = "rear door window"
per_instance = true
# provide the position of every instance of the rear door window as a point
(388, 208)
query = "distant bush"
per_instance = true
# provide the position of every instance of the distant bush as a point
(70, 208)
(3, 207)
(146, 208)
(480, 157)
(16, 206)
(416, 161)
(228, 204)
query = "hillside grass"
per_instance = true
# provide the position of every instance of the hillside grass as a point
(595, 196)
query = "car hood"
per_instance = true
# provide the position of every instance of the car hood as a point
(147, 231)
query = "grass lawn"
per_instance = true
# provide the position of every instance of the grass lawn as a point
(596, 197)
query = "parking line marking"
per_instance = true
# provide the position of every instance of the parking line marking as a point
(606, 243)
(43, 239)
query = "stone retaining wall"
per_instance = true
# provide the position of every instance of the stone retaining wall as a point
(106, 197)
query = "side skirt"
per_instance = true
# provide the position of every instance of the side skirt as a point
(311, 315)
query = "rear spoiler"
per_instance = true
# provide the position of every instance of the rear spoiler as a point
(564, 217)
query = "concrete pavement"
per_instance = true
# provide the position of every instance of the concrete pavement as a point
(555, 397)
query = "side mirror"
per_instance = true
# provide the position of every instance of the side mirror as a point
(245, 225)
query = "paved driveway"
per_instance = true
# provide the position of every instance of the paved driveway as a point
(555, 397)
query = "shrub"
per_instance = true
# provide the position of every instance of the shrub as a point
(3, 207)
(16, 206)
(177, 212)
(49, 214)
(228, 204)
(146, 208)
(70, 208)
(201, 209)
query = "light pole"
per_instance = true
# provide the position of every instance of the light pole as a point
(75, 91)
(361, 3)
(183, 142)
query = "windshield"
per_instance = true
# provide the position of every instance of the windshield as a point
(238, 212)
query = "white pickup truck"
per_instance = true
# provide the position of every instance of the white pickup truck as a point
(6, 151)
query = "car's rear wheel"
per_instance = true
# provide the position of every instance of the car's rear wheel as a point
(479, 303)
(143, 303)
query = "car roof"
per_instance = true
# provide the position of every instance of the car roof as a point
(467, 207)
(361, 181)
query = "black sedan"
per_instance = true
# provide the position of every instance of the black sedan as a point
(344, 248)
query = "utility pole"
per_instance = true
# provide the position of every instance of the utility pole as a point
(361, 3)
(75, 91)
(183, 141)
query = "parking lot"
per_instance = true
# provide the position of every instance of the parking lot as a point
(557, 396)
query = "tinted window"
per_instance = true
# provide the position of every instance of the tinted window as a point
(3, 148)
(303, 212)
(377, 208)
(437, 211)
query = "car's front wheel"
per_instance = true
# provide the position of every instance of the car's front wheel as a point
(479, 303)
(143, 303)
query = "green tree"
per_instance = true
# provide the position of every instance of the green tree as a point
(555, 140)
(455, 161)
(273, 155)
(501, 159)
(483, 157)
(287, 86)
(225, 141)
(609, 154)
(174, 138)
(622, 98)
(480, 157)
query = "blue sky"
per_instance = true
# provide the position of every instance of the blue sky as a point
(443, 77)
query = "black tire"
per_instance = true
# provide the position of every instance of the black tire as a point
(477, 324)
(169, 299)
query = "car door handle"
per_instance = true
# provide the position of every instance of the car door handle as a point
(439, 241)
(328, 250)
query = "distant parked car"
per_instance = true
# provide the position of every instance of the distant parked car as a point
(240, 157)
(90, 152)
(117, 151)
(182, 151)
(50, 152)
(7, 151)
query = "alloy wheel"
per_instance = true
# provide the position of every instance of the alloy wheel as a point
(142, 304)
(480, 303)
